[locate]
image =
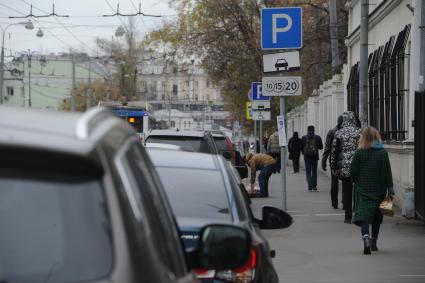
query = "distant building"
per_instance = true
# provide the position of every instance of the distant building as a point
(51, 79)
(184, 89)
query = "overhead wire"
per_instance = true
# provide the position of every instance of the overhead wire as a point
(140, 17)
(119, 17)
(69, 31)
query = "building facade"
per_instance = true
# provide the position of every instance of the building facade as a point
(174, 91)
(393, 79)
(46, 80)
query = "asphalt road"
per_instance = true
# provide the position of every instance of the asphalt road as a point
(320, 247)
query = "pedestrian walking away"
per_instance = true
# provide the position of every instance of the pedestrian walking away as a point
(273, 149)
(371, 173)
(265, 163)
(310, 146)
(343, 147)
(326, 154)
(294, 148)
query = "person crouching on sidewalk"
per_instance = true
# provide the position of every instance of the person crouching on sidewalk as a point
(371, 173)
(266, 164)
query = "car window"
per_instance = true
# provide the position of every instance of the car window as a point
(196, 193)
(53, 231)
(166, 237)
(221, 143)
(196, 144)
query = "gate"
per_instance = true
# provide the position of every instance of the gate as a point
(420, 154)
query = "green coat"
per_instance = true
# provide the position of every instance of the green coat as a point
(371, 173)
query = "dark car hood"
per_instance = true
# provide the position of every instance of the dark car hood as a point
(191, 226)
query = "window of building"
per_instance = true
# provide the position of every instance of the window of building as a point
(164, 86)
(187, 83)
(143, 85)
(208, 83)
(10, 90)
(388, 86)
(175, 89)
(196, 83)
(173, 124)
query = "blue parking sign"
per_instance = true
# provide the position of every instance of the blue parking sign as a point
(257, 92)
(281, 28)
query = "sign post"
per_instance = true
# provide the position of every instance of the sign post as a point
(281, 28)
(258, 114)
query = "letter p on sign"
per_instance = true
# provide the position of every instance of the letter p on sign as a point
(277, 29)
(281, 28)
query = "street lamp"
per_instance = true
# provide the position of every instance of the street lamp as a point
(29, 26)
(120, 31)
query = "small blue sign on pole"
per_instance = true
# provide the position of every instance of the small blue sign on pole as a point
(257, 92)
(281, 28)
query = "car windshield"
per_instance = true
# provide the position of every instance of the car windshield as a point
(196, 193)
(53, 231)
(196, 144)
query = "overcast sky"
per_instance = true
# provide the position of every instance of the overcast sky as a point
(80, 29)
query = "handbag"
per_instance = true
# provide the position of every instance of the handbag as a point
(386, 207)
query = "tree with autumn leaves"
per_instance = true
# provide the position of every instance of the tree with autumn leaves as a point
(226, 36)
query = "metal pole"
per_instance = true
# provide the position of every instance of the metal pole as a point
(2, 69)
(169, 111)
(29, 79)
(333, 24)
(73, 86)
(283, 156)
(363, 65)
(261, 136)
(89, 89)
(422, 46)
(203, 115)
(255, 130)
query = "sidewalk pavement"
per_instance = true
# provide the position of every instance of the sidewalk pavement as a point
(320, 247)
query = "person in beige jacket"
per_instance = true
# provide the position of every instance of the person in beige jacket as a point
(266, 164)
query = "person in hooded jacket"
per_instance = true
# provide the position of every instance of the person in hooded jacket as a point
(343, 147)
(294, 148)
(371, 172)
(326, 154)
(310, 146)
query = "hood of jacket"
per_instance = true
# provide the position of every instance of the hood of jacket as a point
(348, 120)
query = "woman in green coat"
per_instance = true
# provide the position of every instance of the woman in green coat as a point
(371, 173)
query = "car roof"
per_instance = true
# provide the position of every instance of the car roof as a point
(163, 146)
(175, 133)
(54, 130)
(183, 159)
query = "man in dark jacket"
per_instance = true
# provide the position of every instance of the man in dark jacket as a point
(294, 148)
(310, 146)
(326, 155)
(343, 147)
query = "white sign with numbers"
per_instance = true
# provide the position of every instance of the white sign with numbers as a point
(282, 86)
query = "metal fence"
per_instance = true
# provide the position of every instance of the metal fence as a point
(420, 154)
(387, 87)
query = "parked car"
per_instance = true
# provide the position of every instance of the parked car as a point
(196, 141)
(203, 189)
(80, 201)
(225, 146)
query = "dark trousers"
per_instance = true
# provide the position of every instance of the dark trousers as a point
(296, 164)
(375, 229)
(311, 172)
(334, 191)
(263, 179)
(347, 197)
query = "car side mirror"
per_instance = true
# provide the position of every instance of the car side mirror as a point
(221, 247)
(275, 218)
(227, 155)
